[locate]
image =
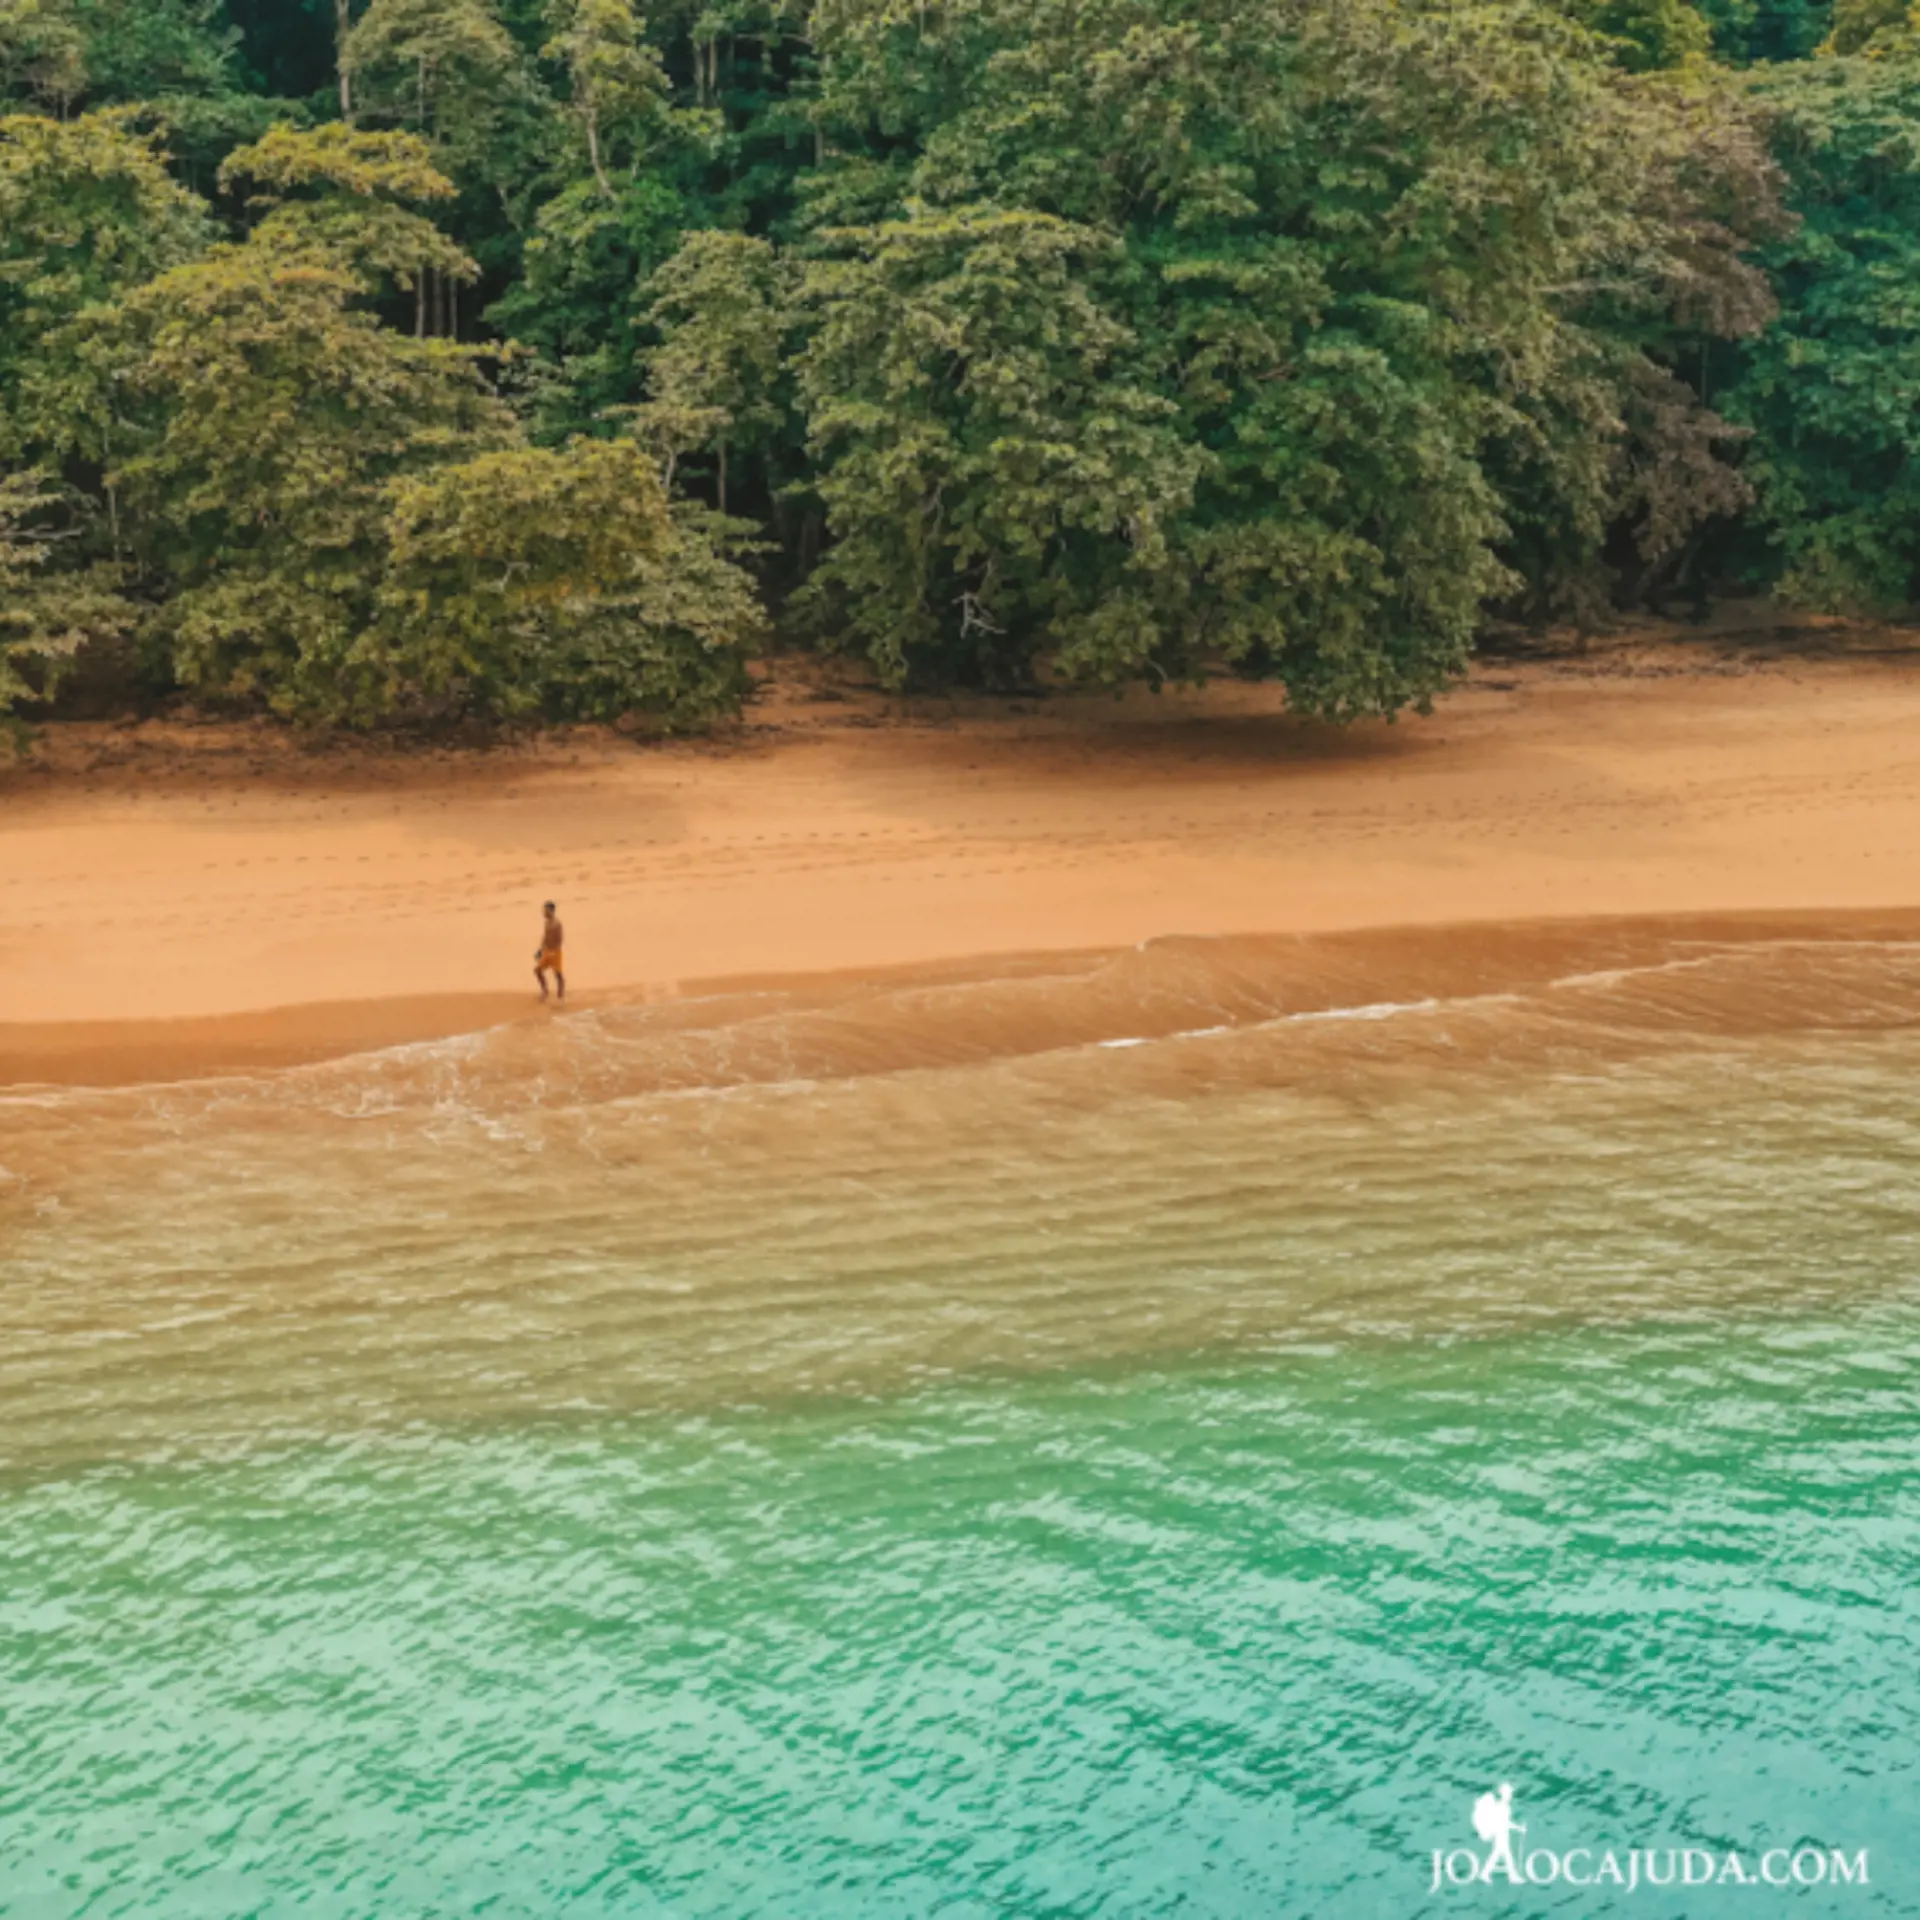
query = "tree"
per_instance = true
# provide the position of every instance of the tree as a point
(45, 615)
(615, 76)
(56, 54)
(43, 54)
(1746, 31)
(441, 67)
(1832, 392)
(724, 308)
(988, 467)
(155, 50)
(26, 644)
(697, 118)
(554, 582)
(450, 72)
(261, 416)
(343, 521)
(574, 303)
(1376, 299)
(1857, 24)
(1097, 339)
(172, 63)
(353, 188)
(1647, 34)
(87, 210)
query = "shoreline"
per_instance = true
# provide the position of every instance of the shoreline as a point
(1345, 971)
(179, 900)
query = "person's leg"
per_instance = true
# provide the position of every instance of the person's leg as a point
(561, 978)
(540, 974)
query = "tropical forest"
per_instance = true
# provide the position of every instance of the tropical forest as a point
(395, 363)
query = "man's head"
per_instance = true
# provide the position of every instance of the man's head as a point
(547, 909)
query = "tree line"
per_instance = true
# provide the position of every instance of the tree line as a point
(391, 361)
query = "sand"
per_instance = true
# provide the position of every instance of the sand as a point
(179, 898)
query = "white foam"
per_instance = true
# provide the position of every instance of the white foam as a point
(1379, 1010)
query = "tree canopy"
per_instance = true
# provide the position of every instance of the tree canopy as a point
(385, 360)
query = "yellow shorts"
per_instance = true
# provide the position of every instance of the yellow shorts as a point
(551, 958)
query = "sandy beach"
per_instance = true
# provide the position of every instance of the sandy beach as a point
(178, 898)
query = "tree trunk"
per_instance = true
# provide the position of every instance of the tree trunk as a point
(342, 26)
(420, 304)
(720, 492)
(593, 153)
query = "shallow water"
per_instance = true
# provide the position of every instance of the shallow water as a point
(1144, 1434)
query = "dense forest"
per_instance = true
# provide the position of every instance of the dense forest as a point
(399, 361)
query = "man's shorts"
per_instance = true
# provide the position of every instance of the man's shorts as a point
(550, 957)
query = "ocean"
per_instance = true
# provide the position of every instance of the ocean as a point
(1154, 1433)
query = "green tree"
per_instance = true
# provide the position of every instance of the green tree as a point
(46, 614)
(1647, 34)
(1094, 338)
(1749, 31)
(1375, 299)
(1859, 23)
(574, 303)
(29, 646)
(154, 50)
(346, 193)
(451, 72)
(43, 55)
(1832, 392)
(323, 513)
(724, 309)
(57, 54)
(261, 415)
(87, 211)
(616, 79)
(559, 583)
(172, 61)
(699, 123)
(442, 68)
(989, 469)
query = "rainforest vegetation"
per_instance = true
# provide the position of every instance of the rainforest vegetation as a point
(403, 361)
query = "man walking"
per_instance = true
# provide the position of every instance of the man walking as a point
(551, 954)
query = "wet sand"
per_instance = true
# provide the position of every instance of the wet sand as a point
(178, 899)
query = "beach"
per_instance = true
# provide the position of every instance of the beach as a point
(1098, 1308)
(1217, 1215)
(181, 898)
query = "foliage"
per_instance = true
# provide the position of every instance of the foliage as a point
(1828, 392)
(1859, 24)
(43, 54)
(26, 643)
(354, 185)
(59, 54)
(1647, 34)
(616, 78)
(723, 306)
(261, 415)
(575, 304)
(391, 359)
(532, 580)
(977, 446)
(44, 616)
(87, 211)
(1747, 31)
(445, 69)
(1257, 333)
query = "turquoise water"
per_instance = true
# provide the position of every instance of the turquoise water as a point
(1056, 1479)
